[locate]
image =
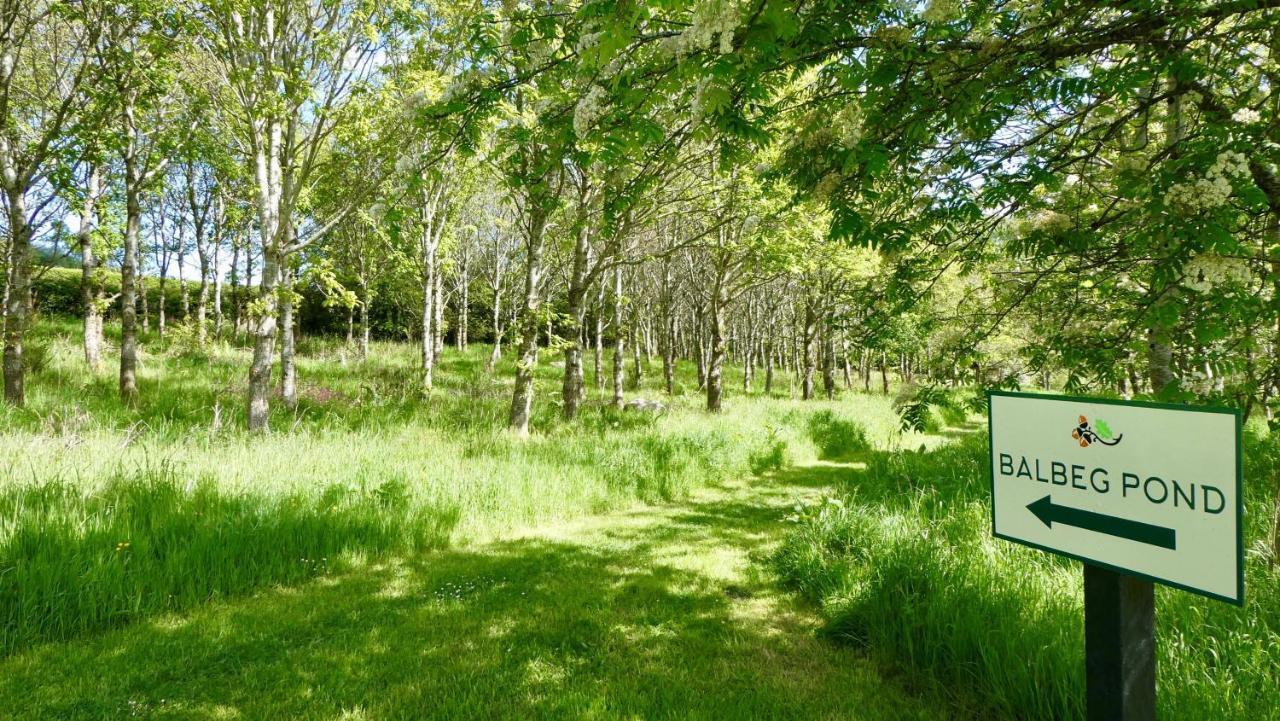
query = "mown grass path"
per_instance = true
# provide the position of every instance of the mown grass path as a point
(660, 612)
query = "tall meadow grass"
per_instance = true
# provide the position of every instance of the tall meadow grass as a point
(110, 514)
(905, 566)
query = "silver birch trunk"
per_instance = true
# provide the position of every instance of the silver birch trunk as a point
(90, 293)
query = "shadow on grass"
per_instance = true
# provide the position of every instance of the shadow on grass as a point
(519, 630)
(148, 544)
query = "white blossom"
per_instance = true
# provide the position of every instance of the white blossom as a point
(1246, 115)
(586, 42)
(941, 11)
(1046, 221)
(1206, 271)
(589, 109)
(712, 20)
(849, 126)
(1214, 189)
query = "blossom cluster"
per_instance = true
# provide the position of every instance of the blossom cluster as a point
(1206, 271)
(588, 110)
(698, 104)
(1050, 222)
(941, 11)
(713, 20)
(1201, 382)
(1213, 190)
(1246, 115)
(848, 123)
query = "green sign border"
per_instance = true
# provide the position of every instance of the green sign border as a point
(1239, 600)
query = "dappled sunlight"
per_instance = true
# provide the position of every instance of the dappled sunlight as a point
(654, 612)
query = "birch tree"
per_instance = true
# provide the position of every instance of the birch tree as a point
(289, 67)
(46, 62)
(134, 56)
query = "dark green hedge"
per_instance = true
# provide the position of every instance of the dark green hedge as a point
(57, 292)
(393, 313)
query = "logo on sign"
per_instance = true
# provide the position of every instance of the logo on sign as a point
(1087, 435)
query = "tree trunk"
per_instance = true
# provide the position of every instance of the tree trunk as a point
(807, 338)
(828, 363)
(636, 363)
(619, 339)
(1159, 332)
(427, 349)
(522, 394)
(702, 358)
(16, 300)
(248, 281)
(496, 353)
(846, 364)
(90, 293)
(669, 354)
(715, 365)
(437, 341)
(235, 288)
(464, 303)
(130, 285)
(768, 367)
(202, 303)
(218, 288)
(884, 373)
(264, 340)
(288, 368)
(571, 391)
(141, 280)
(366, 299)
(161, 318)
(599, 339)
(184, 301)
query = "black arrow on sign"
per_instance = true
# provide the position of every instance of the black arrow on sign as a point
(1102, 523)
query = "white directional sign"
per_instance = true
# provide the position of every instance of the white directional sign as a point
(1142, 488)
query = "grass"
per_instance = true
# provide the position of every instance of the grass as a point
(164, 506)
(387, 555)
(384, 555)
(905, 567)
(658, 612)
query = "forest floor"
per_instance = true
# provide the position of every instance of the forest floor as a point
(658, 611)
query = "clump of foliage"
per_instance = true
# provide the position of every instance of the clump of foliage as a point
(929, 409)
(770, 455)
(906, 567)
(837, 438)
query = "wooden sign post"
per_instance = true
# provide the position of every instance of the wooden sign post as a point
(1119, 646)
(1142, 493)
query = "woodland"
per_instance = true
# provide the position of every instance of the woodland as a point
(609, 358)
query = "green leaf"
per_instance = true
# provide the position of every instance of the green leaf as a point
(1104, 430)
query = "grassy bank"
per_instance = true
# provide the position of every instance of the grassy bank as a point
(904, 565)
